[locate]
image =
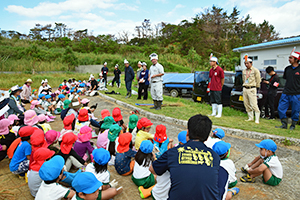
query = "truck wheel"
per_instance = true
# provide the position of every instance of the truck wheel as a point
(174, 93)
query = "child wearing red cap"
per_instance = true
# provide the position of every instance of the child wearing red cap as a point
(20, 161)
(67, 152)
(82, 120)
(6, 137)
(116, 113)
(104, 113)
(143, 128)
(83, 145)
(37, 140)
(161, 140)
(141, 176)
(69, 125)
(40, 156)
(123, 161)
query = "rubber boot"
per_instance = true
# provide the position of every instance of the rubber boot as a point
(158, 105)
(250, 116)
(214, 109)
(257, 115)
(293, 125)
(284, 123)
(144, 193)
(69, 177)
(127, 95)
(155, 104)
(220, 107)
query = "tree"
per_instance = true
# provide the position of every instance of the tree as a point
(194, 59)
(70, 58)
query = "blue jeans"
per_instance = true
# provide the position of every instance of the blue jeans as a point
(128, 86)
(284, 103)
(95, 123)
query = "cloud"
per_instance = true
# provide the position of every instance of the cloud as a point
(163, 1)
(178, 6)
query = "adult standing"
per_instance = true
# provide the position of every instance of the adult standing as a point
(138, 71)
(15, 106)
(155, 78)
(216, 74)
(104, 71)
(251, 84)
(117, 73)
(291, 92)
(194, 168)
(129, 76)
(272, 85)
(26, 91)
(143, 82)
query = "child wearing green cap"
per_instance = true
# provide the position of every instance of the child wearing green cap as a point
(133, 119)
(113, 134)
(266, 164)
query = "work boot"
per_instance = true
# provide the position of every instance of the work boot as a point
(155, 104)
(250, 116)
(284, 123)
(158, 105)
(220, 107)
(293, 125)
(257, 115)
(214, 109)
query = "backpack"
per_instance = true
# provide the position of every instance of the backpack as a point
(64, 113)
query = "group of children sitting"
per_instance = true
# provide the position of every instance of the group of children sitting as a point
(46, 157)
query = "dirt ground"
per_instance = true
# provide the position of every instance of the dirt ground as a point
(243, 151)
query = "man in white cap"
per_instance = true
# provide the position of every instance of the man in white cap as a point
(129, 76)
(94, 86)
(216, 74)
(291, 92)
(117, 73)
(26, 91)
(155, 78)
(104, 72)
(251, 84)
(138, 71)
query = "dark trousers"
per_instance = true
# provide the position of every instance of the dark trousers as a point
(105, 79)
(216, 97)
(25, 101)
(95, 123)
(270, 104)
(117, 80)
(143, 87)
(128, 86)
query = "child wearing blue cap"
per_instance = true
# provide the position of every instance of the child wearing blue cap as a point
(216, 136)
(142, 176)
(51, 173)
(181, 138)
(59, 104)
(48, 105)
(266, 164)
(99, 168)
(72, 94)
(223, 150)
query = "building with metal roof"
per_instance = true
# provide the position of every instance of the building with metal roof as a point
(274, 53)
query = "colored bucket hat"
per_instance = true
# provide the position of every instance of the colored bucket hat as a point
(26, 131)
(41, 95)
(39, 157)
(51, 136)
(67, 142)
(116, 113)
(124, 141)
(83, 115)
(86, 182)
(105, 113)
(75, 104)
(267, 144)
(133, 119)
(13, 117)
(42, 117)
(85, 134)
(68, 120)
(219, 133)
(37, 139)
(144, 122)
(4, 123)
(101, 156)
(108, 122)
(182, 137)
(221, 147)
(61, 96)
(51, 169)
(85, 100)
(146, 146)
(66, 103)
(160, 135)
(113, 132)
(30, 118)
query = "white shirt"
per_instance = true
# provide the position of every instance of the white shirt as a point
(71, 97)
(40, 89)
(79, 125)
(103, 177)
(156, 69)
(59, 104)
(229, 166)
(163, 184)
(274, 165)
(140, 172)
(211, 141)
(53, 191)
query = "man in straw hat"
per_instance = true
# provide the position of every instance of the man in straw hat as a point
(291, 92)
(155, 78)
(15, 106)
(26, 91)
(251, 84)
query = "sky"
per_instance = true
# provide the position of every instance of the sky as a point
(116, 16)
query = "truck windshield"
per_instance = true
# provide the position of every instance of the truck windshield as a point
(201, 76)
(229, 78)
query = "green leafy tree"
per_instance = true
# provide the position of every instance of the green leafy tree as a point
(70, 58)
(194, 59)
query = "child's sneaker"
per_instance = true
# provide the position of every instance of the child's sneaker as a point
(247, 179)
(234, 190)
(244, 170)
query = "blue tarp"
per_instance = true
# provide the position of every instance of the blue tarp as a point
(178, 78)
(179, 85)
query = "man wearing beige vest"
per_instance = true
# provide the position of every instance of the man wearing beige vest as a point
(251, 83)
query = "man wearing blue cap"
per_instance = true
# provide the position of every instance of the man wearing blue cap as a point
(266, 164)
(216, 74)
(51, 173)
